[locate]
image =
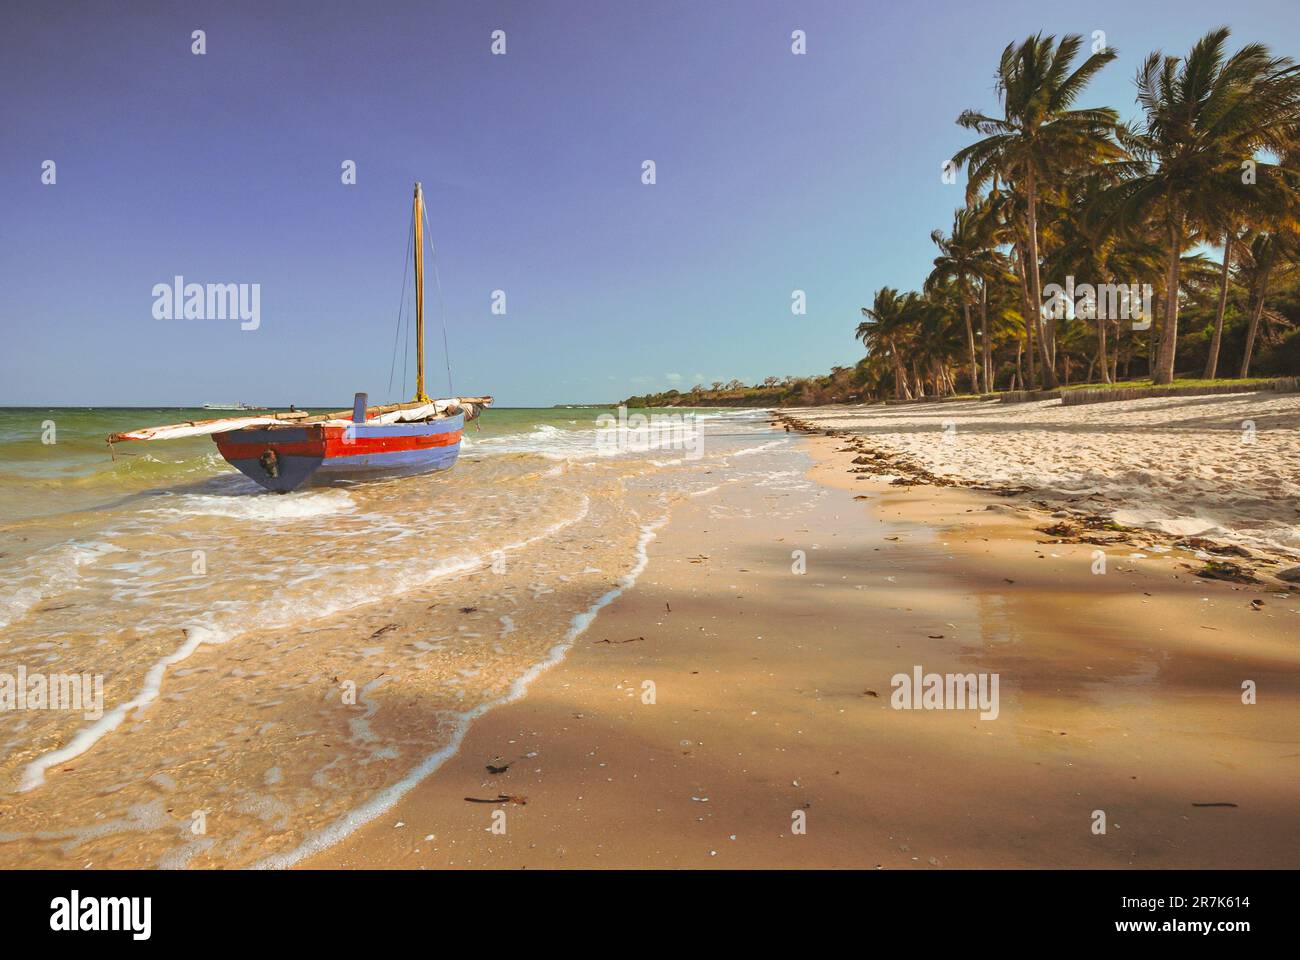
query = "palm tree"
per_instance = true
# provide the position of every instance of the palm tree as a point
(1266, 256)
(1274, 202)
(989, 234)
(1007, 210)
(937, 339)
(1036, 140)
(956, 264)
(1203, 116)
(889, 323)
(967, 255)
(1230, 240)
(1083, 250)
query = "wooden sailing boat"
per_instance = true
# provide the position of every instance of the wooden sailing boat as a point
(282, 451)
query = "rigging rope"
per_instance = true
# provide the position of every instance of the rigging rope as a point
(401, 307)
(442, 309)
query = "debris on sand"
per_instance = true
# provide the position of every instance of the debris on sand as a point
(1059, 530)
(1068, 524)
(1226, 570)
(1209, 546)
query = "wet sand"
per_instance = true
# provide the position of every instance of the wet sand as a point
(1119, 692)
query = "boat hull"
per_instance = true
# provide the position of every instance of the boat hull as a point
(285, 458)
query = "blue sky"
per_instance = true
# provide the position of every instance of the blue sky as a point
(775, 172)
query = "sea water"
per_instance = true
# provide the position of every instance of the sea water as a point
(278, 669)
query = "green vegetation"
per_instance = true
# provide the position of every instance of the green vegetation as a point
(841, 385)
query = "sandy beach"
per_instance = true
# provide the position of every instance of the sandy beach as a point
(772, 740)
(1225, 467)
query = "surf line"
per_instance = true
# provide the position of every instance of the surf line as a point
(196, 635)
(389, 796)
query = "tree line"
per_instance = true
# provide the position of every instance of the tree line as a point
(1057, 193)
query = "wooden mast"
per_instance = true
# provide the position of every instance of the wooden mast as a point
(420, 395)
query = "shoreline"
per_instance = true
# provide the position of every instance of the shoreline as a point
(772, 697)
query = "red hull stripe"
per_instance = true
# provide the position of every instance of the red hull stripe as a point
(334, 445)
(337, 446)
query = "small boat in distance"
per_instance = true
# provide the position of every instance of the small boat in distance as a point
(231, 406)
(282, 451)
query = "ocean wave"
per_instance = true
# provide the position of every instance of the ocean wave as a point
(300, 505)
(47, 574)
(748, 451)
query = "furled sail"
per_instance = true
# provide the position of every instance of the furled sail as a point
(392, 413)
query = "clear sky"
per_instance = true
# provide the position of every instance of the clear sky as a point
(775, 172)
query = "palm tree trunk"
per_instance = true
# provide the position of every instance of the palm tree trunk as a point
(1212, 362)
(901, 391)
(1027, 312)
(1020, 375)
(970, 344)
(984, 337)
(1164, 372)
(1253, 329)
(1036, 290)
(1101, 350)
(1153, 334)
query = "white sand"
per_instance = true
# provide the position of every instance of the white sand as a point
(1185, 465)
